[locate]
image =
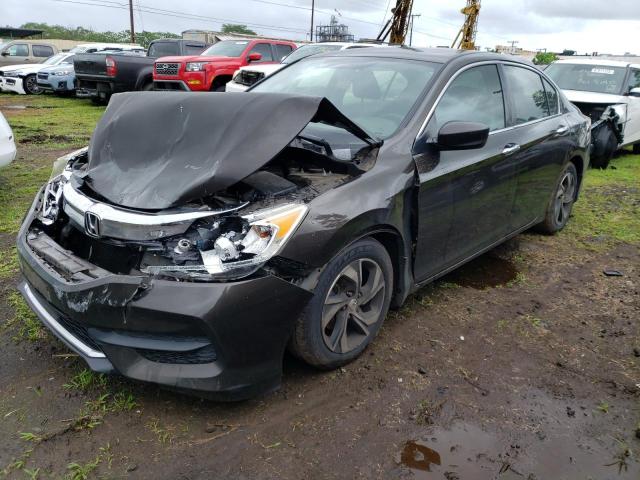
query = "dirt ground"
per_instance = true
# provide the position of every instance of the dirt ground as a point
(524, 364)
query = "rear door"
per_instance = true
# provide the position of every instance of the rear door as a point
(41, 52)
(632, 128)
(465, 197)
(541, 137)
(281, 50)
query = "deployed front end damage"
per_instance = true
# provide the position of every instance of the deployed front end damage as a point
(154, 252)
(607, 127)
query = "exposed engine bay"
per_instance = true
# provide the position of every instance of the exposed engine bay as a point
(607, 129)
(224, 235)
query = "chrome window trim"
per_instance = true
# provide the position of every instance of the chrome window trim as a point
(479, 64)
(54, 325)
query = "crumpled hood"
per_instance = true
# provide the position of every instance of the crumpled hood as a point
(158, 150)
(593, 97)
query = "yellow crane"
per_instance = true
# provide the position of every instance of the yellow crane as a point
(398, 24)
(467, 34)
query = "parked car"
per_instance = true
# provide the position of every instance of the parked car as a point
(18, 52)
(211, 70)
(23, 78)
(200, 235)
(608, 92)
(99, 75)
(248, 76)
(62, 78)
(7, 143)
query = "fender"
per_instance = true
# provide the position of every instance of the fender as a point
(144, 76)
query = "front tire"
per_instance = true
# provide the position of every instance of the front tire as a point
(561, 203)
(30, 85)
(348, 308)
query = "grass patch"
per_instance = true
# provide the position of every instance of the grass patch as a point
(8, 263)
(51, 121)
(86, 379)
(28, 326)
(608, 211)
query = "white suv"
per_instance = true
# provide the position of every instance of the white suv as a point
(247, 76)
(609, 93)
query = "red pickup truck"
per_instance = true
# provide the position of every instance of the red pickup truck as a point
(213, 68)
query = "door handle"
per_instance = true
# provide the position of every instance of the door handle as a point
(561, 131)
(510, 149)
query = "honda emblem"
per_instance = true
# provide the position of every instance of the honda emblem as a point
(92, 224)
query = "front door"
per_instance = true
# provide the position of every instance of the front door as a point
(466, 196)
(16, 54)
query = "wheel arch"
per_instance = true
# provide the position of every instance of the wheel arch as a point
(580, 165)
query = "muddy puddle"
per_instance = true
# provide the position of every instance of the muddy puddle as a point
(540, 447)
(486, 271)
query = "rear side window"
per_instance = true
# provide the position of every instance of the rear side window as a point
(18, 50)
(263, 49)
(282, 51)
(193, 49)
(474, 96)
(552, 98)
(44, 51)
(527, 94)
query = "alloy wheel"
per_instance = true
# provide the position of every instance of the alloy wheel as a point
(31, 85)
(353, 305)
(564, 197)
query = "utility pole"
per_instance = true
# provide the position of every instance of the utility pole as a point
(411, 34)
(313, 9)
(513, 48)
(133, 33)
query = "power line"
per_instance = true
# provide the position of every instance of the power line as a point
(174, 14)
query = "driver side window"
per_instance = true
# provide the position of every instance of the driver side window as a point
(634, 79)
(474, 96)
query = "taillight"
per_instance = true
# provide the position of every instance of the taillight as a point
(111, 67)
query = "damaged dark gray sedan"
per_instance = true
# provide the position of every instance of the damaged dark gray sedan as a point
(199, 236)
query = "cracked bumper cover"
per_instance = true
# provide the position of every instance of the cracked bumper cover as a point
(138, 325)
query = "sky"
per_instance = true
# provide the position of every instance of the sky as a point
(582, 25)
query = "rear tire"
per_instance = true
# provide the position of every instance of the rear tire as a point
(636, 149)
(561, 203)
(348, 308)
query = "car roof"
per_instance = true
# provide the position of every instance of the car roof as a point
(593, 61)
(435, 55)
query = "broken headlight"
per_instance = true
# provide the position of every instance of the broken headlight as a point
(52, 195)
(232, 247)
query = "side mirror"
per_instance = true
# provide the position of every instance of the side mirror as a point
(255, 57)
(462, 136)
(634, 92)
(5, 54)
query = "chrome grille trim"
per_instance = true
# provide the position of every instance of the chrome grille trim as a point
(164, 68)
(128, 225)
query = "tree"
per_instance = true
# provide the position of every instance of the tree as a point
(237, 28)
(85, 35)
(545, 58)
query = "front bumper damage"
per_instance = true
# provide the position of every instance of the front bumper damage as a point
(13, 84)
(222, 340)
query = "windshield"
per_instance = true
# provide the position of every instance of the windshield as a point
(587, 78)
(374, 93)
(164, 49)
(227, 48)
(56, 59)
(308, 50)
